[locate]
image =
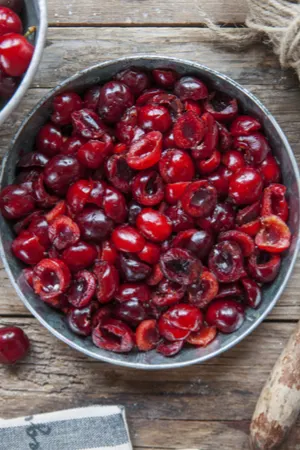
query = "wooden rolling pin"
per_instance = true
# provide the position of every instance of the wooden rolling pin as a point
(279, 403)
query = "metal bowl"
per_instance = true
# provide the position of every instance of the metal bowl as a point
(34, 13)
(54, 321)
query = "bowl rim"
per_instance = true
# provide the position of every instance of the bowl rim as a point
(41, 34)
(110, 356)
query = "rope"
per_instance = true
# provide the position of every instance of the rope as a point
(276, 22)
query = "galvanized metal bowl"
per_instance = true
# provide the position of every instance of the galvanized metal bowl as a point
(34, 13)
(55, 322)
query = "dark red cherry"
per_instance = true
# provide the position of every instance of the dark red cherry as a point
(16, 202)
(226, 262)
(150, 253)
(115, 98)
(132, 269)
(165, 78)
(139, 292)
(79, 256)
(94, 224)
(252, 291)
(91, 97)
(60, 172)
(145, 152)
(10, 22)
(154, 225)
(119, 173)
(180, 266)
(135, 79)
(269, 170)
(114, 205)
(28, 248)
(204, 290)
(233, 160)
(263, 266)
(221, 106)
(175, 166)
(190, 88)
(15, 54)
(255, 147)
(231, 290)
(131, 312)
(147, 336)
(72, 144)
(244, 240)
(40, 227)
(87, 124)
(222, 219)
(148, 188)
(63, 106)
(199, 199)
(128, 239)
(147, 96)
(180, 219)
(244, 125)
(63, 232)
(14, 345)
(82, 289)
(168, 140)
(199, 242)
(93, 152)
(188, 130)
(33, 159)
(43, 198)
(167, 293)
(245, 186)
(177, 323)
(79, 194)
(227, 315)
(51, 277)
(113, 335)
(154, 118)
(108, 252)
(220, 180)
(209, 143)
(49, 140)
(174, 191)
(80, 320)
(108, 281)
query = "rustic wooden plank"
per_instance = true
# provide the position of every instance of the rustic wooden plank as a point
(203, 406)
(72, 49)
(154, 12)
(196, 435)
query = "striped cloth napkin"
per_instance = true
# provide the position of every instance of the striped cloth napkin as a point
(91, 428)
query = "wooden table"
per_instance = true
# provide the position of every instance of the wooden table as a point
(206, 406)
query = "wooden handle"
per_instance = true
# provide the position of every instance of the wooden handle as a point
(279, 402)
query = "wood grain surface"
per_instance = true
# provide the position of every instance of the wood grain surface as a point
(144, 12)
(207, 406)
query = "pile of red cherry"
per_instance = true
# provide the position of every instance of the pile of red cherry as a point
(15, 50)
(150, 212)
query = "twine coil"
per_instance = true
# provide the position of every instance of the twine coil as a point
(274, 21)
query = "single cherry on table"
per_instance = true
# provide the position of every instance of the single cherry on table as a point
(150, 213)
(14, 345)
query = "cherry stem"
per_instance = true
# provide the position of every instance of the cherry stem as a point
(30, 31)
